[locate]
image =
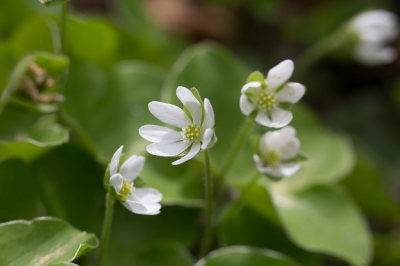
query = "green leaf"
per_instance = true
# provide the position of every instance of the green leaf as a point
(242, 255)
(53, 2)
(84, 36)
(28, 137)
(19, 192)
(323, 219)
(42, 241)
(159, 253)
(256, 76)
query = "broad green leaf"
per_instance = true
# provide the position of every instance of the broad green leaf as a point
(365, 187)
(242, 255)
(19, 193)
(323, 219)
(28, 136)
(92, 40)
(159, 253)
(42, 241)
(34, 34)
(53, 2)
(248, 227)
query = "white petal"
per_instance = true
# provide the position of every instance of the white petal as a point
(277, 140)
(291, 93)
(207, 136)
(245, 105)
(193, 151)
(167, 149)
(135, 206)
(279, 74)
(374, 54)
(291, 149)
(289, 168)
(132, 167)
(280, 118)
(209, 120)
(157, 133)
(152, 208)
(116, 181)
(191, 103)
(253, 84)
(145, 195)
(115, 161)
(169, 114)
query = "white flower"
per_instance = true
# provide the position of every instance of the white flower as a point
(267, 99)
(138, 200)
(276, 150)
(375, 29)
(196, 131)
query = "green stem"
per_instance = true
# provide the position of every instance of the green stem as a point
(106, 227)
(315, 52)
(63, 26)
(233, 152)
(238, 202)
(209, 208)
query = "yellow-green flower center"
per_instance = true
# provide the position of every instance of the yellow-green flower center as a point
(127, 188)
(266, 100)
(272, 158)
(191, 132)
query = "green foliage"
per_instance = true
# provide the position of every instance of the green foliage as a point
(42, 241)
(53, 2)
(241, 255)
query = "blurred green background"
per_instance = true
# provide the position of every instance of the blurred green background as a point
(123, 54)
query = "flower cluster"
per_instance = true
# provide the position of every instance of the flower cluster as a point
(137, 200)
(375, 29)
(195, 127)
(277, 150)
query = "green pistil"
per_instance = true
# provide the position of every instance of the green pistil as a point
(127, 188)
(272, 158)
(191, 132)
(266, 100)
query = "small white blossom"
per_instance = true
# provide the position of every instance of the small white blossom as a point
(276, 150)
(375, 29)
(267, 100)
(196, 130)
(138, 200)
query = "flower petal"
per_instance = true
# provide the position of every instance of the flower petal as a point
(251, 85)
(132, 167)
(191, 103)
(157, 133)
(207, 136)
(289, 169)
(147, 195)
(280, 118)
(291, 93)
(279, 74)
(209, 120)
(374, 54)
(135, 206)
(277, 140)
(115, 161)
(169, 114)
(167, 149)
(193, 151)
(116, 182)
(291, 149)
(245, 105)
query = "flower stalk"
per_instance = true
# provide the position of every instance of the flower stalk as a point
(209, 207)
(63, 26)
(106, 227)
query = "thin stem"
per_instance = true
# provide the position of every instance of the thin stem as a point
(239, 201)
(63, 26)
(233, 152)
(208, 230)
(106, 227)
